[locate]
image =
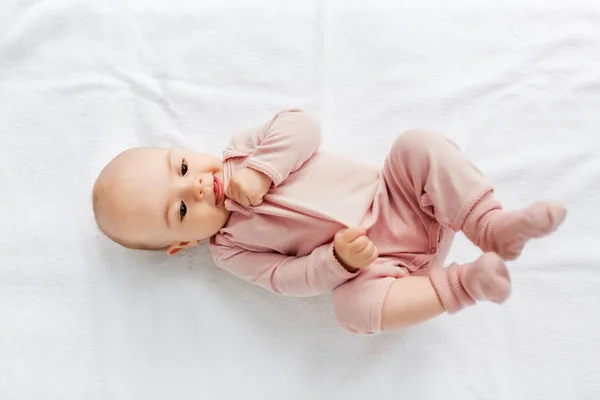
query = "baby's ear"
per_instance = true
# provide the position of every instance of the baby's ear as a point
(177, 247)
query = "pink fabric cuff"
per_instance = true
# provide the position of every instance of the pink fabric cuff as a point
(260, 167)
(450, 291)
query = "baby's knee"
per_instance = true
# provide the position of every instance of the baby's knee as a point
(358, 306)
(349, 311)
(417, 141)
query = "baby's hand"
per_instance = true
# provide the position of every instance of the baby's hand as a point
(353, 249)
(248, 187)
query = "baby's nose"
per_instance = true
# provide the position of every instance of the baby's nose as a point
(196, 189)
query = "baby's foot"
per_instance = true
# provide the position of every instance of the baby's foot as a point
(486, 278)
(460, 286)
(507, 232)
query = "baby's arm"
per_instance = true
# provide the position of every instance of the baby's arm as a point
(281, 146)
(316, 273)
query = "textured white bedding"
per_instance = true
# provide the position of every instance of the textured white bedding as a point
(516, 84)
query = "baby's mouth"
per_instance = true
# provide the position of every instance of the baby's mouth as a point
(218, 190)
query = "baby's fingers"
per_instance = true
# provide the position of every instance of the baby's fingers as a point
(245, 201)
(352, 234)
(369, 253)
(360, 244)
(232, 190)
(235, 193)
(255, 199)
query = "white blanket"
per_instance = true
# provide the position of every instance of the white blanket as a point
(515, 84)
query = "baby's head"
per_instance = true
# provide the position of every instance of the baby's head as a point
(151, 198)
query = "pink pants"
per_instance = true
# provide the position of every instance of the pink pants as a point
(430, 187)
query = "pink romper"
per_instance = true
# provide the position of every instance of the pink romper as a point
(411, 209)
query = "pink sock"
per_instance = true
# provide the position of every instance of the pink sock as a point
(460, 286)
(506, 232)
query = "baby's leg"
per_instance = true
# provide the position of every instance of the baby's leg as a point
(416, 299)
(381, 299)
(430, 171)
(410, 301)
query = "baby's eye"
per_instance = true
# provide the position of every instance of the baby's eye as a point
(182, 210)
(184, 167)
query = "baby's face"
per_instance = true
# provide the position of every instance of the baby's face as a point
(164, 197)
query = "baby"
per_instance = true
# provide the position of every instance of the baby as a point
(301, 222)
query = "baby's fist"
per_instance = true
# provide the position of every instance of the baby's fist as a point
(248, 187)
(353, 249)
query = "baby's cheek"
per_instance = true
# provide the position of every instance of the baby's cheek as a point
(201, 217)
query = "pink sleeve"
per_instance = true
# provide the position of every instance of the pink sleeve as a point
(281, 146)
(316, 273)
